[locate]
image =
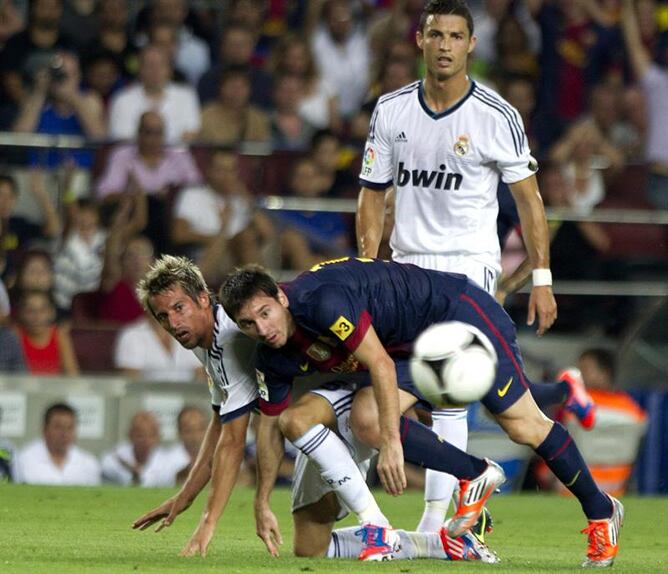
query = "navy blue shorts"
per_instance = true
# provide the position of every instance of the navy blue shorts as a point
(481, 310)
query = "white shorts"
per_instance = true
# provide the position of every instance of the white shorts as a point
(482, 274)
(308, 487)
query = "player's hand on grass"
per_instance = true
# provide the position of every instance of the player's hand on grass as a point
(391, 467)
(166, 513)
(542, 303)
(267, 529)
(199, 541)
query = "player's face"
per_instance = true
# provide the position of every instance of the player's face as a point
(445, 45)
(266, 319)
(188, 321)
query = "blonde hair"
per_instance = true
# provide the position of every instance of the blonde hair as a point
(167, 272)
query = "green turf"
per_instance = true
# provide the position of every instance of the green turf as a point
(88, 530)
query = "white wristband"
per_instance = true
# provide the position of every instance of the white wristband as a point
(541, 277)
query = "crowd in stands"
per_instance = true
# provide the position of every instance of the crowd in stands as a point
(173, 96)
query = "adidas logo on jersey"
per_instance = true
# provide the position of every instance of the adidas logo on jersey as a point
(434, 179)
(401, 138)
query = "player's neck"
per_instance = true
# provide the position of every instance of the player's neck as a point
(441, 95)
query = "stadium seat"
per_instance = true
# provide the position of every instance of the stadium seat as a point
(94, 348)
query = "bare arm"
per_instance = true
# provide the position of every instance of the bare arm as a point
(32, 106)
(226, 464)
(52, 223)
(537, 240)
(270, 450)
(68, 359)
(197, 478)
(90, 112)
(638, 54)
(182, 233)
(369, 221)
(371, 353)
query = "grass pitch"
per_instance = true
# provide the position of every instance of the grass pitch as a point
(51, 529)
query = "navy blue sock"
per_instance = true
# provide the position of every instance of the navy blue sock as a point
(424, 447)
(549, 394)
(562, 456)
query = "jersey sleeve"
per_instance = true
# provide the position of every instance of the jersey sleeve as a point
(509, 147)
(338, 312)
(273, 381)
(376, 172)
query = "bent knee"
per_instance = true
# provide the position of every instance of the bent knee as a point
(365, 428)
(294, 422)
(530, 433)
(307, 550)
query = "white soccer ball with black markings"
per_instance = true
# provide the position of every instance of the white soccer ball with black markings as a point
(453, 364)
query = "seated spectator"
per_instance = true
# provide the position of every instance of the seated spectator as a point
(231, 118)
(289, 130)
(18, 233)
(55, 458)
(102, 74)
(12, 359)
(149, 164)
(145, 351)
(307, 237)
(126, 260)
(216, 224)
(318, 106)
(333, 165)
(78, 263)
(177, 104)
(618, 415)
(236, 49)
(192, 425)
(577, 153)
(46, 345)
(5, 307)
(166, 37)
(141, 461)
(57, 105)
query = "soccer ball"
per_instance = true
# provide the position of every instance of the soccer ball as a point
(453, 364)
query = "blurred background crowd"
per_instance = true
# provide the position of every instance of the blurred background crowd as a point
(134, 128)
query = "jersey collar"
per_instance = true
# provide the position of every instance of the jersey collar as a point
(447, 112)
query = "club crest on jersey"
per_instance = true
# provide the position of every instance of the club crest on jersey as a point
(368, 160)
(342, 328)
(319, 352)
(461, 147)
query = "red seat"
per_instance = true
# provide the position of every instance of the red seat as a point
(94, 348)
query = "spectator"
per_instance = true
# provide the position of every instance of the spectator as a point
(34, 272)
(18, 233)
(289, 131)
(113, 37)
(149, 164)
(341, 50)
(192, 54)
(79, 22)
(578, 152)
(236, 50)
(141, 461)
(5, 307)
(318, 105)
(47, 346)
(231, 118)
(192, 426)
(307, 237)
(56, 105)
(29, 50)
(78, 263)
(327, 154)
(146, 352)
(102, 74)
(55, 458)
(177, 104)
(653, 80)
(520, 92)
(165, 36)
(218, 220)
(11, 21)
(126, 258)
(514, 54)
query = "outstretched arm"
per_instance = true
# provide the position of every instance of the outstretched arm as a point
(537, 239)
(196, 481)
(638, 54)
(270, 450)
(226, 464)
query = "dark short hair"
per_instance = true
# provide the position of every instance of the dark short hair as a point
(56, 408)
(10, 181)
(604, 359)
(242, 285)
(448, 7)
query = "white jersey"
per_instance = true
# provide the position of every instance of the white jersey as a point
(230, 366)
(445, 168)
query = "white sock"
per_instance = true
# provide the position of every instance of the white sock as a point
(344, 544)
(452, 426)
(338, 469)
